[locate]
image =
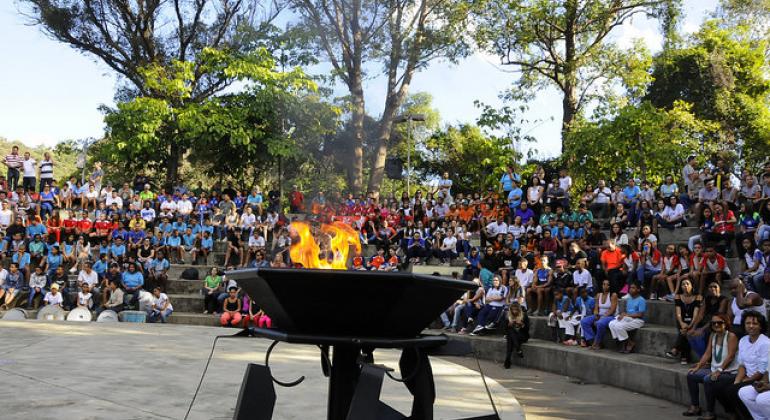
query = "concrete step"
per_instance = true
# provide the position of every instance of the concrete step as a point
(175, 271)
(191, 318)
(444, 270)
(654, 376)
(187, 302)
(182, 287)
(652, 339)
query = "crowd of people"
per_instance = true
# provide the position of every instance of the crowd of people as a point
(542, 247)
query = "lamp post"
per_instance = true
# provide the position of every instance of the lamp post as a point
(409, 118)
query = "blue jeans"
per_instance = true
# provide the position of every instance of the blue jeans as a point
(645, 275)
(488, 314)
(155, 315)
(13, 178)
(710, 388)
(32, 295)
(587, 326)
(462, 313)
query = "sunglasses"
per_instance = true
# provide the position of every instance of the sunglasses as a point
(717, 323)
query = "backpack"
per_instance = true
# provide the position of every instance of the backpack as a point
(190, 274)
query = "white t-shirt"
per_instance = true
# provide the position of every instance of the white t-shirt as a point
(525, 277)
(168, 205)
(602, 195)
(565, 183)
(159, 302)
(5, 217)
(110, 199)
(582, 279)
(30, 167)
(494, 228)
(91, 279)
(184, 207)
(248, 220)
(450, 243)
(3, 276)
(84, 299)
(257, 241)
(52, 299)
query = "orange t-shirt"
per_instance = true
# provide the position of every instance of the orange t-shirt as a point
(377, 261)
(613, 259)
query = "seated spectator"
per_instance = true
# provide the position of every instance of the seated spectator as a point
(12, 286)
(516, 332)
(707, 197)
(748, 223)
(416, 249)
(53, 298)
(161, 307)
(673, 215)
(620, 216)
(650, 265)
(720, 356)
(115, 300)
(687, 306)
(752, 358)
(668, 275)
(583, 308)
(714, 267)
(742, 301)
(132, 281)
(539, 294)
(723, 231)
(668, 189)
(754, 265)
(157, 272)
(600, 200)
(37, 284)
(467, 308)
(85, 297)
(630, 320)
(494, 301)
(594, 327)
(582, 279)
(212, 286)
(713, 303)
(231, 309)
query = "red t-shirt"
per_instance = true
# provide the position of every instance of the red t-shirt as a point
(85, 225)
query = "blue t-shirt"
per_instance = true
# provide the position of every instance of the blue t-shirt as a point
(54, 261)
(37, 229)
(23, 261)
(100, 267)
(506, 180)
(564, 305)
(174, 241)
(587, 303)
(134, 279)
(160, 265)
(254, 199)
(189, 240)
(631, 193)
(514, 198)
(207, 243)
(117, 250)
(636, 305)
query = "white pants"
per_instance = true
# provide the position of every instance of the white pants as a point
(565, 322)
(757, 404)
(620, 328)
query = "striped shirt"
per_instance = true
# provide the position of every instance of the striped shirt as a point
(46, 169)
(14, 161)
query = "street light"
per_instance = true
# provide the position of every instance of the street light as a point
(408, 118)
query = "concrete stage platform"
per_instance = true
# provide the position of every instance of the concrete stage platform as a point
(74, 371)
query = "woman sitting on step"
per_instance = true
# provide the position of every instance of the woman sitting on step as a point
(687, 307)
(630, 320)
(516, 332)
(713, 303)
(720, 356)
(605, 307)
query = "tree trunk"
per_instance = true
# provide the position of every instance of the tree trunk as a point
(356, 167)
(174, 157)
(569, 82)
(383, 141)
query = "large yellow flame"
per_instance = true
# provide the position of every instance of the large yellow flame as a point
(305, 251)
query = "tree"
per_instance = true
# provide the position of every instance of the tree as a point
(402, 36)
(722, 74)
(637, 141)
(228, 134)
(473, 159)
(560, 43)
(131, 36)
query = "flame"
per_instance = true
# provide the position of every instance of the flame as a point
(306, 252)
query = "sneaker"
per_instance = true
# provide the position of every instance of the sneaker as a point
(653, 296)
(490, 326)
(669, 297)
(463, 331)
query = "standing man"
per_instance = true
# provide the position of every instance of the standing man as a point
(46, 170)
(29, 166)
(13, 162)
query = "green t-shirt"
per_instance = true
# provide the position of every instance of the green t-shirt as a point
(213, 282)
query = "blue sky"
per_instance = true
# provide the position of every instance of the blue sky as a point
(49, 92)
